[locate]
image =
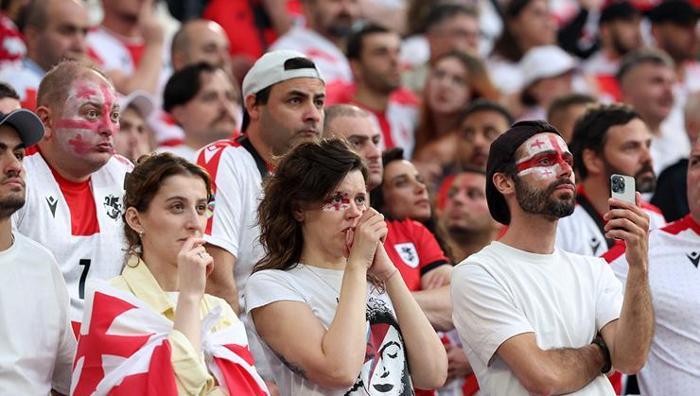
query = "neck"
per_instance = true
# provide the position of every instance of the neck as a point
(165, 273)
(370, 99)
(610, 53)
(654, 126)
(122, 26)
(444, 123)
(695, 214)
(314, 254)
(597, 192)
(531, 233)
(464, 244)
(68, 169)
(195, 143)
(5, 233)
(255, 138)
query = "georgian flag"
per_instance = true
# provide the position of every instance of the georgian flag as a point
(123, 349)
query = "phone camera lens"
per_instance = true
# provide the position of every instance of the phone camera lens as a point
(618, 184)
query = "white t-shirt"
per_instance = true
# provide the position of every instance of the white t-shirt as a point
(36, 340)
(328, 58)
(385, 370)
(580, 233)
(47, 217)
(673, 366)
(181, 150)
(500, 292)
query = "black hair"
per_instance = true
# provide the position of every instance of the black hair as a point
(6, 91)
(444, 12)
(480, 105)
(184, 84)
(356, 38)
(591, 131)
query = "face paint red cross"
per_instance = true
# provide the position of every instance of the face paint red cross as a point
(538, 144)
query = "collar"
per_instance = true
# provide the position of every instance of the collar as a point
(692, 224)
(33, 67)
(144, 286)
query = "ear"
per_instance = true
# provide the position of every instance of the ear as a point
(592, 162)
(356, 69)
(44, 114)
(655, 32)
(252, 107)
(177, 113)
(504, 184)
(133, 220)
(298, 214)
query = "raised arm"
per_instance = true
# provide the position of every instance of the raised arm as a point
(629, 338)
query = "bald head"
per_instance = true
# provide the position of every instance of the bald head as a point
(200, 40)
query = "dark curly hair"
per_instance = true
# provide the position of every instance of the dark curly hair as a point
(305, 176)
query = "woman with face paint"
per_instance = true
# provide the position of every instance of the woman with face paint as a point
(326, 299)
(165, 324)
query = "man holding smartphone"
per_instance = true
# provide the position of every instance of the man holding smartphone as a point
(674, 255)
(607, 140)
(534, 318)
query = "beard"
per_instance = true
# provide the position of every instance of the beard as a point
(10, 204)
(644, 179)
(542, 202)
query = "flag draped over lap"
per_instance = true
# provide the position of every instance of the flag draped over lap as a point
(124, 349)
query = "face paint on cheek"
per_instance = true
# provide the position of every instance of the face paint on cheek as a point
(79, 145)
(109, 100)
(336, 203)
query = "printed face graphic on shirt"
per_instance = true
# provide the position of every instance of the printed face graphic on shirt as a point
(86, 127)
(547, 157)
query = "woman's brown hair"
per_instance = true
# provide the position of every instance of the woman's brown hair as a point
(478, 82)
(143, 183)
(306, 176)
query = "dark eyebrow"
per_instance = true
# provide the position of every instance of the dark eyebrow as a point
(4, 146)
(358, 137)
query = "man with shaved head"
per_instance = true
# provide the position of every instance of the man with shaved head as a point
(200, 40)
(54, 30)
(75, 182)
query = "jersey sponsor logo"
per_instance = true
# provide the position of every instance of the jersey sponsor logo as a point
(53, 202)
(407, 252)
(112, 206)
(595, 244)
(694, 258)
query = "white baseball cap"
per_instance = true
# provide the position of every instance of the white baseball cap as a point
(27, 124)
(544, 62)
(140, 100)
(271, 69)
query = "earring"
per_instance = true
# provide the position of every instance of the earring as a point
(141, 234)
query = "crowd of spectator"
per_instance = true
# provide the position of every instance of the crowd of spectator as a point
(349, 197)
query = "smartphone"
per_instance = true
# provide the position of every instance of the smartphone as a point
(623, 188)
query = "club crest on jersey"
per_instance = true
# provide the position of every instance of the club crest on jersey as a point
(113, 206)
(694, 258)
(407, 252)
(53, 202)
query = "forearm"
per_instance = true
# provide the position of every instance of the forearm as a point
(221, 282)
(565, 370)
(436, 304)
(147, 75)
(187, 320)
(346, 334)
(635, 328)
(426, 354)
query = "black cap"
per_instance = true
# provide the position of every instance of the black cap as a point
(679, 12)
(501, 154)
(27, 124)
(618, 10)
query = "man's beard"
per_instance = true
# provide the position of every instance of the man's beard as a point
(643, 184)
(10, 204)
(619, 46)
(542, 202)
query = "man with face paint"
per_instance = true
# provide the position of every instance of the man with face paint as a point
(75, 182)
(534, 318)
(607, 139)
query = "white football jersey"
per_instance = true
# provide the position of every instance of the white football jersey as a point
(673, 366)
(582, 232)
(47, 218)
(24, 77)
